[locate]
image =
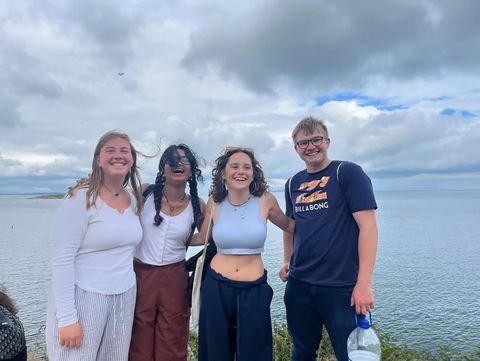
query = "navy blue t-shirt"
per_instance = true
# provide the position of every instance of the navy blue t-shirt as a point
(325, 241)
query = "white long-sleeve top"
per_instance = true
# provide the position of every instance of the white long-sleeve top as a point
(92, 249)
(166, 243)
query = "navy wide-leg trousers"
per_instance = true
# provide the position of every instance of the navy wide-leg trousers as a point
(235, 319)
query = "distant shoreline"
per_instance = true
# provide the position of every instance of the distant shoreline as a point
(49, 196)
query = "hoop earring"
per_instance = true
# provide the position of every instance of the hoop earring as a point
(254, 185)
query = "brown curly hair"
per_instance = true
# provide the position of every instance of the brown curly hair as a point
(7, 302)
(218, 190)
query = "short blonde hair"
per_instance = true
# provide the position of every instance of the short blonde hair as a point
(309, 125)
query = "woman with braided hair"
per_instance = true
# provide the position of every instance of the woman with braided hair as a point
(96, 231)
(169, 218)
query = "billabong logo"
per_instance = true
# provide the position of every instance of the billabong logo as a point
(310, 193)
(313, 197)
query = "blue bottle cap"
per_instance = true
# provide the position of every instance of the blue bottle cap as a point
(363, 323)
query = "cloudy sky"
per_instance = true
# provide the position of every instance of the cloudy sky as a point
(397, 82)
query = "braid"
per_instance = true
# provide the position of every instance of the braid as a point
(157, 197)
(197, 212)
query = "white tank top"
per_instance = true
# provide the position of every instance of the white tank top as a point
(166, 243)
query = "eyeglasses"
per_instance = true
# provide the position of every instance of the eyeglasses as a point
(184, 160)
(176, 160)
(230, 148)
(316, 141)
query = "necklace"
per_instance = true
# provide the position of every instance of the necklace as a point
(116, 194)
(172, 208)
(239, 207)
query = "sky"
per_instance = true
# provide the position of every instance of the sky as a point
(397, 83)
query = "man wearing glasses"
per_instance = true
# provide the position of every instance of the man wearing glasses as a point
(329, 260)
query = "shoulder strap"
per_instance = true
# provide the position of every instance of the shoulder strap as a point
(290, 190)
(338, 175)
(338, 171)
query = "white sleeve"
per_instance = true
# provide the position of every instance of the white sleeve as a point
(69, 230)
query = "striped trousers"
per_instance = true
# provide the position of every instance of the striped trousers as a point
(106, 322)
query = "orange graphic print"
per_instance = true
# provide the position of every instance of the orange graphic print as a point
(315, 196)
(308, 187)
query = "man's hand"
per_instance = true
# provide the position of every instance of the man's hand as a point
(283, 274)
(362, 298)
(71, 335)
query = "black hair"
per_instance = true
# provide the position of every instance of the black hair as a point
(171, 157)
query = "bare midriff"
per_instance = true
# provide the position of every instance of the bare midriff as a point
(248, 267)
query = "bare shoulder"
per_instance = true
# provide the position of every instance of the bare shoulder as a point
(268, 201)
(268, 197)
(203, 205)
(144, 186)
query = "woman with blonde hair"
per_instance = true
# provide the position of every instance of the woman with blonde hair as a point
(96, 231)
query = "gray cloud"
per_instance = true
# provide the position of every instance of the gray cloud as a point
(9, 114)
(323, 45)
(186, 67)
(23, 74)
(406, 142)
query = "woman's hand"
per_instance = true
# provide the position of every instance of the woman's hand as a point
(71, 335)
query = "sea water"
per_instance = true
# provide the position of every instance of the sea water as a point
(427, 266)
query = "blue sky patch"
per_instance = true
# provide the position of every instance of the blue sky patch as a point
(464, 113)
(448, 111)
(437, 99)
(468, 114)
(362, 100)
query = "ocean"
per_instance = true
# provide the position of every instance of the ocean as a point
(426, 280)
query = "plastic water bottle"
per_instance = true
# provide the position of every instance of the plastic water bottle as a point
(363, 343)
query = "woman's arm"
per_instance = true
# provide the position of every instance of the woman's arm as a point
(276, 215)
(202, 209)
(70, 227)
(198, 239)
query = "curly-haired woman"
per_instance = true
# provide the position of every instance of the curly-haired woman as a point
(235, 296)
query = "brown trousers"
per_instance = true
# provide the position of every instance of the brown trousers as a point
(161, 322)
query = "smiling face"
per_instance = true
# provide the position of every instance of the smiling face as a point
(238, 173)
(314, 156)
(115, 158)
(179, 172)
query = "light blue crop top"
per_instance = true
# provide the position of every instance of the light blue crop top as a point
(240, 229)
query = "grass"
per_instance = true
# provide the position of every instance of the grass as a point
(391, 349)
